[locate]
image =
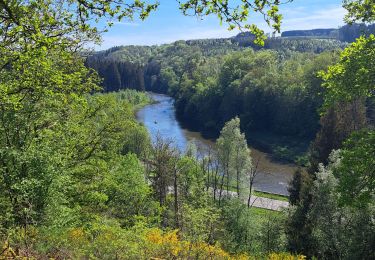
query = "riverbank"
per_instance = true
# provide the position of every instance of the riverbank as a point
(160, 118)
(280, 148)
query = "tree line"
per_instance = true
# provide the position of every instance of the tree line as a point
(347, 33)
(118, 75)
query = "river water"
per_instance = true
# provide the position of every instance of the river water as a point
(159, 118)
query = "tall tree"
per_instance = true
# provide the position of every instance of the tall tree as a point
(234, 156)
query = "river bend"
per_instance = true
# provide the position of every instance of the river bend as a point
(160, 117)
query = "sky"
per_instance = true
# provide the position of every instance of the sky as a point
(167, 24)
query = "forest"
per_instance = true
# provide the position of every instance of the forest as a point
(80, 178)
(275, 91)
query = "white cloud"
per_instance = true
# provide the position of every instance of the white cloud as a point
(304, 19)
(126, 23)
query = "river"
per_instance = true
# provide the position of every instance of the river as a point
(160, 117)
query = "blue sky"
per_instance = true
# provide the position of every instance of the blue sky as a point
(167, 24)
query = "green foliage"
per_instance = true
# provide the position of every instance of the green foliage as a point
(359, 10)
(128, 194)
(331, 217)
(256, 231)
(296, 186)
(117, 75)
(356, 182)
(271, 94)
(338, 211)
(339, 231)
(337, 124)
(241, 226)
(200, 224)
(272, 236)
(353, 76)
(236, 15)
(282, 153)
(61, 150)
(234, 157)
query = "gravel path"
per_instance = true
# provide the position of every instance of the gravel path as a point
(260, 202)
(267, 203)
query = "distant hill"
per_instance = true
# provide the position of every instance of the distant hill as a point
(347, 33)
(326, 33)
(295, 43)
(140, 67)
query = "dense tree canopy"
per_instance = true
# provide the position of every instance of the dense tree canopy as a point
(354, 76)
(359, 10)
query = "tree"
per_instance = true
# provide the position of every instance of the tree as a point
(337, 124)
(338, 230)
(163, 159)
(355, 174)
(53, 21)
(129, 195)
(359, 10)
(353, 77)
(253, 173)
(298, 226)
(234, 156)
(43, 87)
(295, 186)
(272, 237)
(237, 14)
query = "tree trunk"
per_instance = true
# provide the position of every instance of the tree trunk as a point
(221, 188)
(176, 209)
(238, 183)
(215, 181)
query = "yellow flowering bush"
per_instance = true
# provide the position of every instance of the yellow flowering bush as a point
(140, 242)
(166, 245)
(285, 256)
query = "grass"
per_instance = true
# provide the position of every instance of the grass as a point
(260, 212)
(271, 196)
